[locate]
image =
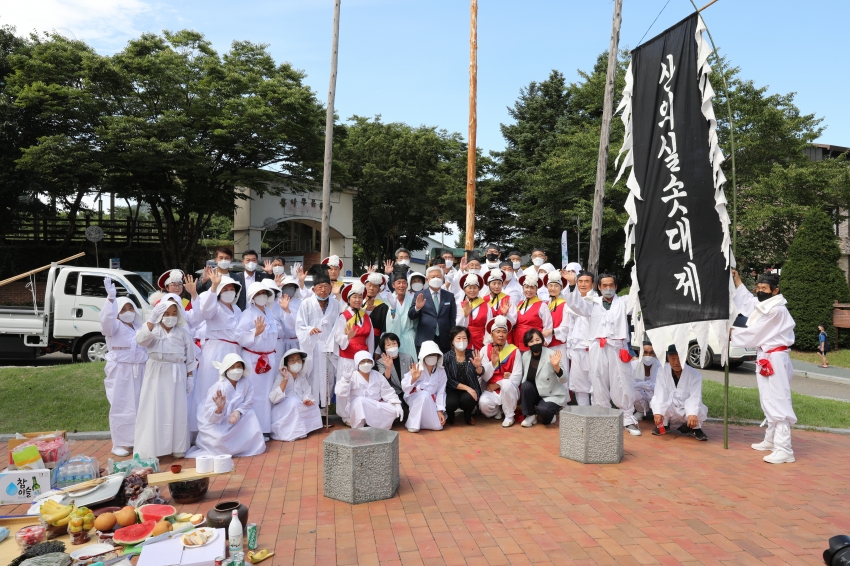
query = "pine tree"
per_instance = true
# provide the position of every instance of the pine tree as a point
(811, 279)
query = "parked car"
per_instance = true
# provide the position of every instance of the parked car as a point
(69, 321)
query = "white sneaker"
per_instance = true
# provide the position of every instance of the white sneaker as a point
(413, 430)
(178, 455)
(633, 430)
(779, 457)
(554, 419)
(509, 421)
(529, 422)
(499, 415)
(119, 451)
(763, 445)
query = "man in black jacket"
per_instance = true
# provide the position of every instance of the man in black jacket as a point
(250, 261)
(435, 309)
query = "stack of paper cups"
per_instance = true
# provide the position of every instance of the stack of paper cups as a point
(204, 464)
(223, 463)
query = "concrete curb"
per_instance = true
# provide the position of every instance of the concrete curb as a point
(743, 422)
(95, 435)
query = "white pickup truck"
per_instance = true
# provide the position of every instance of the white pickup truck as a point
(69, 322)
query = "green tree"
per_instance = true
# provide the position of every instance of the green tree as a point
(811, 279)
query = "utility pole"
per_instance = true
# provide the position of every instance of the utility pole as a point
(473, 125)
(602, 162)
(329, 141)
(578, 241)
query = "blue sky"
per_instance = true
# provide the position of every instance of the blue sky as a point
(408, 60)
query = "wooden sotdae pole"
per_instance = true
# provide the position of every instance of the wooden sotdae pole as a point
(602, 162)
(473, 124)
(48, 266)
(329, 140)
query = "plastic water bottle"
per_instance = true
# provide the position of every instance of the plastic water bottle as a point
(234, 534)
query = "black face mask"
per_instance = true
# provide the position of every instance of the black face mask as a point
(492, 257)
(536, 348)
(762, 296)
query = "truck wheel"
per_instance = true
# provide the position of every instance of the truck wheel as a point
(735, 363)
(93, 349)
(694, 357)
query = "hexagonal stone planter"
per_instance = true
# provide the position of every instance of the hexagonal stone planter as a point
(591, 435)
(361, 465)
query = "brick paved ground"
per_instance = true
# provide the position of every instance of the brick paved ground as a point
(484, 495)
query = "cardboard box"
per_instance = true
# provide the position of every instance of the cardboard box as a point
(30, 435)
(19, 486)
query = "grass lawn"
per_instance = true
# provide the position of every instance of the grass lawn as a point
(838, 358)
(67, 397)
(744, 404)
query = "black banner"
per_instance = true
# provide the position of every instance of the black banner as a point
(681, 268)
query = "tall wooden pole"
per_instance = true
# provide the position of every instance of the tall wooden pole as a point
(473, 125)
(329, 141)
(602, 163)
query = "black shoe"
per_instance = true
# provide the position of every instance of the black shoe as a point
(684, 429)
(656, 432)
(698, 434)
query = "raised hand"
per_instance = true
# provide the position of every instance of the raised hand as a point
(283, 301)
(494, 357)
(478, 358)
(110, 288)
(208, 270)
(388, 266)
(505, 306)
(302, 275)
(267, 267)
(570, 276)
(467, 308)
(278, 279)
(158, 311)
(220, 401)
(420, 301)
(388, 362)
(555, 360)
(259, 325)
(337, 291)
(736, 278)
(372, 269)
(215, 279)
(463, 263)
(415, 373)
(352, 332)
(285, 374)
(190, 284)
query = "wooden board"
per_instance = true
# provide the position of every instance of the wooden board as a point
(186, 474)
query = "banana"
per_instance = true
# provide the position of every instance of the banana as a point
(60, 514)
(62, 522)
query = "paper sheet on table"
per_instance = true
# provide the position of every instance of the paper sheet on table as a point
(161, 553)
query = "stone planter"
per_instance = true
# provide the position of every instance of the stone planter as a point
(591, 435)
(361, 465)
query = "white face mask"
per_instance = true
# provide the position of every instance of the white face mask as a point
(127, 317)
(516, 264)
(392, 352)
(449, 263)
(169, 321)
(365, 367)
(261, 299)
(278, 270)
(647, 360)
(416, 286)
(224, 264)
(403, 262)
(460, 345)
(295, 367)
(435, 282)
(235, 374)
(508, 276)
(431, 360)
(228, 296)
(608, 293)
(251, 266)
(538, 261)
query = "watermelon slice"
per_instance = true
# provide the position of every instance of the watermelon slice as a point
(156, 512)
(134, 534)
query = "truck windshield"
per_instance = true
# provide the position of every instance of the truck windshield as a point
(141, 284)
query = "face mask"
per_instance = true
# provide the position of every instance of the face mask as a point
(492, 257)
(228, 296)
(416, 286)
(508, 276)
(224, 264)
(460, 346)
(128, 316)
(295, 367)
(251, 266)
(392, 352)
(169, 321)
(536, 348)
(365, 367)
(431, 360)
(449, 263)
(762, 296)
(538, 261)
(516, 265)
(647, 360)
(235, 374)
(608, 293)
(261, 300)
(278, 270)
(435, 282)
(403, 262)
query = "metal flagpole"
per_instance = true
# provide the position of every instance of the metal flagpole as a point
(734, 216)
(473, 124)
(329, 140)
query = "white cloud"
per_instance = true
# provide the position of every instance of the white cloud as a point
(104, 24)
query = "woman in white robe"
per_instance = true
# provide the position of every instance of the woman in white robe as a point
(370, 398)
(229, 424)
(289, 304)
(162, 422)
(125, 366)
(295, 412)
(217, 307)
(425, 390)
(257, 334)
(276, 313)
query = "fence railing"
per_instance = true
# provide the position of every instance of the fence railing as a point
(47, 229)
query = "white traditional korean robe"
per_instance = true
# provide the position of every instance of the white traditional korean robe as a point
(125, 368)
(288, 335)
(162, 421)
(578, 342)
(291, 418)
(645, 385)
(611, 377)
(770, 326)
(676, 402)
(505, 398)
(253, 348)
(371, 403)
(319, 347)
(428, 395)
(401, 325)
(216, 436)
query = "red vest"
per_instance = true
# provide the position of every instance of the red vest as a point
(557, 317)
(505, 368)
(358, 343)
(477, 322)
(525, 322)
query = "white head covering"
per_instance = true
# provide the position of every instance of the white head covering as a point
(225, 280)
(361, 356)
(495, 275)
(174, 276)
(430, 348)
(413, 274)
(155, 297)
(333, 261)
(376, 279)
(354, 288)
(547, 267)
(254, 288)
(227, 363)
(573, 266)
(271, 286)
(471, 279)
(499, 322)
(288, 280)
(121, 301)
(178, 302)
(291, 351)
